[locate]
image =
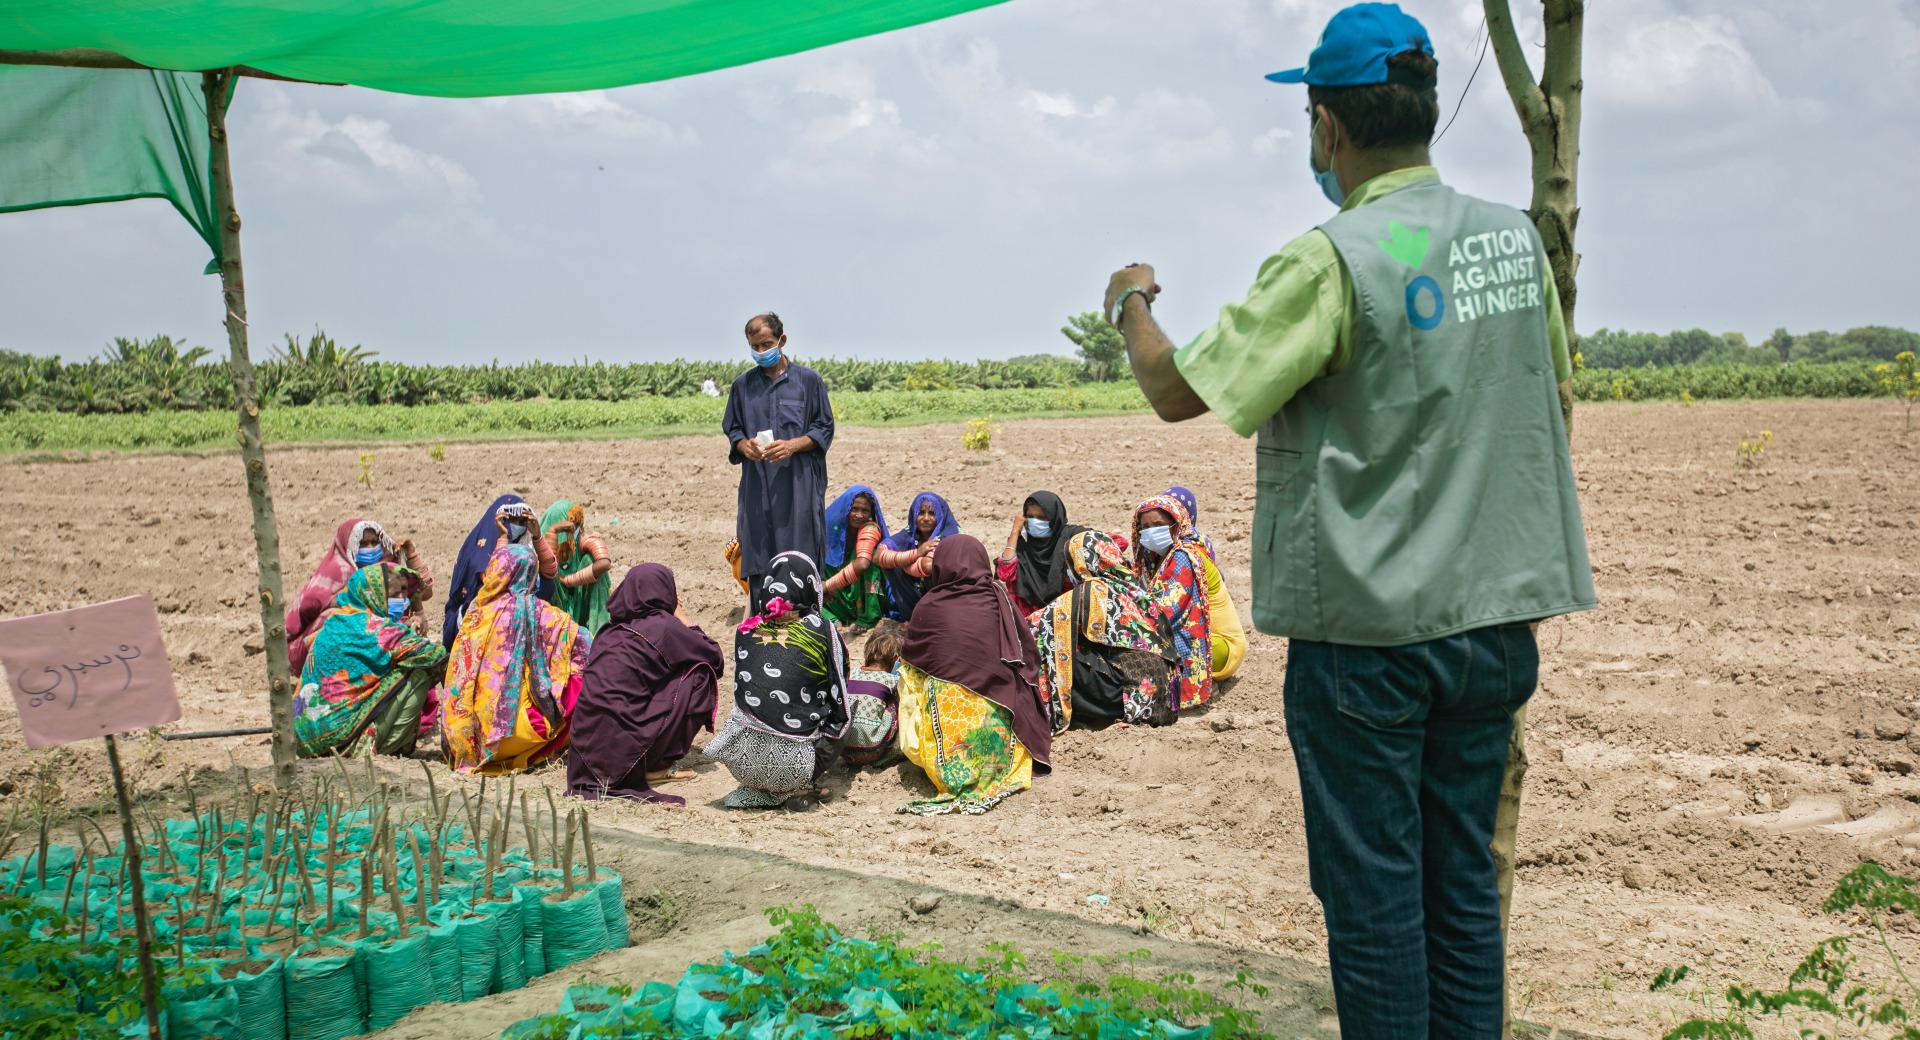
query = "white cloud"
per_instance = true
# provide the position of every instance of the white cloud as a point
(594, 112)
(1065, 106)
(1269, 142)
(1683, 63)
(358, 157)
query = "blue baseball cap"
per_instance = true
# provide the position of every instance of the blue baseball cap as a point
(1354, 49)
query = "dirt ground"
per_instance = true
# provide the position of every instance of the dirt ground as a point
(1711, 749)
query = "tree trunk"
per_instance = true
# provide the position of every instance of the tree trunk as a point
(1549, 114)
(253, 455)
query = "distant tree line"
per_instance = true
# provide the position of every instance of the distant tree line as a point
(1613, 348)
(164, 374)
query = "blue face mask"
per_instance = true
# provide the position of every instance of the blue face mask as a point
(766, 360)
(1329, 184)
(1038, 528)
(369, 556)
(397, 606)
(1157, 539)
(515, 532)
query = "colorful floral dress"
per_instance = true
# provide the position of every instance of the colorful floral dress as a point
(875, 730)
(515, 674)
(963, 741)
(366, 676)
(1178, 587)
(1101, 647)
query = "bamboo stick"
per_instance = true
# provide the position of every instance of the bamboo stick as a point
(586, 840)
(553, 817)
(391, 863)
(566, 867)
(532, 830)
(421, 879)
(433, 789)
(366, 891)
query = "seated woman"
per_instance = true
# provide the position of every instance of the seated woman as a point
(365, 675)
(1172, 564)
(510, 520)
(857, 592)
(515, 673)
(648, 687)
(789, 693)
(970, 710)
(1033, 566)
(872, 703)
(908, 550)
(1103, 657)
(1229, 638)
(582, 584)
(357, 543)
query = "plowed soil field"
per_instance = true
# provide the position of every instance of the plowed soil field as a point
(1712, 749)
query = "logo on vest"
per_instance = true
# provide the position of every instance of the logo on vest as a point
(1426, 304)
(1493, 272)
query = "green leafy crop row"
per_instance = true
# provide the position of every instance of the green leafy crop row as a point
(191, 430)
(1727, 382)
(160, 374)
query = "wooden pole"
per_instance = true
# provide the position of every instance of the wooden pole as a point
(253, 455)
(142, 927)
(1549, 112)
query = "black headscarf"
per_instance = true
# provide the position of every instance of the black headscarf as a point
(966, 631)
(790, 671)
(1041, 573)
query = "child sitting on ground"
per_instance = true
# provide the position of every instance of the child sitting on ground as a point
(871, 701)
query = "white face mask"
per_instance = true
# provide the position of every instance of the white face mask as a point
(1038, 528)
(1157, 540)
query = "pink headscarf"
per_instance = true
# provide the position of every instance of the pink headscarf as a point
(317, 596)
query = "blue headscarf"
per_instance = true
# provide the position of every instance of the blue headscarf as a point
(904, 587)
(470, 567)
(837, 524)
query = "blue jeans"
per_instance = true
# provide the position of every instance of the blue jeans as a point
(1401, 750)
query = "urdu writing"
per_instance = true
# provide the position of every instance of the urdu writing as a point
(85, 673)
(71, 674)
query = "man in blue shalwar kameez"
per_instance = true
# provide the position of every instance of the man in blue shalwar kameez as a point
(779, 425)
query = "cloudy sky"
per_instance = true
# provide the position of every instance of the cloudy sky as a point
(957, 189)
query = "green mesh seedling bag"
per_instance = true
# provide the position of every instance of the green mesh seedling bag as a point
(326, 997)
(399, 978)
(510, 967)
(215, 1016)
(478, 937)
(443, 962)
(533, 905)
(573, 929)
(261, 986)
(613, 909)
(594, 1005)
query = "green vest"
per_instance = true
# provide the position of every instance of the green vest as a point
(1425, 489)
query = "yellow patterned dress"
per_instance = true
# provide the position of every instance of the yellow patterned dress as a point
(963, 741)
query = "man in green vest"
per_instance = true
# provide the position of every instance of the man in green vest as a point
(1415, 510)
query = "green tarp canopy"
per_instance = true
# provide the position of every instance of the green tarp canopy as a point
(70, 136)
(459, 48)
